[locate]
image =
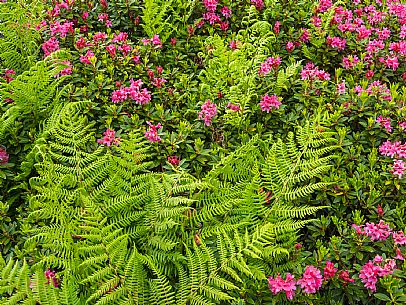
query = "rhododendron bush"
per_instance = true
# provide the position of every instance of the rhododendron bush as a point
(198, 80)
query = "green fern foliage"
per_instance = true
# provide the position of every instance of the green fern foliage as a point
(19, 47)
(115, 233)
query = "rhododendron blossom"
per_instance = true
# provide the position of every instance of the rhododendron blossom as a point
(174, 160)
(3, 156)
(369, 275)
(269, 102)
(384, 122)
(278, 284)
(208, 112)
(269, 64)
(50, 46)
(51, 276)
(311, 280)
(233, 107)
(152, 133)
(398, 168)
(311, 72)
(109, 137)
(329, 271)
(86, 58)
(133, 92)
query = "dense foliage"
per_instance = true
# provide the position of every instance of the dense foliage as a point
(202, 152)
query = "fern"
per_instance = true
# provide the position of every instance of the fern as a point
(118, 234)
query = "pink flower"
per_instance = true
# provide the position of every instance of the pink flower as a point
(112, 50)
(3, 156)
(345, 276)
(233, 107)
(109, 137)
(336, 42)
(85, 15)
(311, 72)
(277, 27)
(50, 46)
(350, 61)
(311, 280)
(156, 41)
(209, 110)
(158, 82)
(329, 271)
(226, 12)
(290, 46)
(152, 133)
(121, 37)
(402, 125)
(358, 229)
(369, 275)
(86, 58)
(378, 259)
(173, 160)
(369, 74)
(341, 88)
(399, 255)
(211, 5)
(399, 238)
(277, 285)
(269, 64)
(323, 6)
(398, 168)
(259, 4)
(233, 44)
(67, 70)
(268, 102)
(384, 122)
(50, 275)
(379, 231)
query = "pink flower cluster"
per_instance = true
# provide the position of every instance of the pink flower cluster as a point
(208, 112)
(233, 107)
(350, 61)
(397, 150)
(51, 276)
(398, 168)
(311, 280)
(152, 133)
(104, 18)
(3, 156)
(380, 231)
(375, 232)
(269, 64)
(278, 284)
(259, 4)
(213, 17)
(329, 271)
(140, 96)
(61, 29)
(311, 72)
(86, 58)
(174, 160)
(268, 102)
(8, 75)
(109, 137)
(336, 42)
(372, 270)
(384, 122)
(67, 70)
(376, 88)
(154, 41)
(51, 45)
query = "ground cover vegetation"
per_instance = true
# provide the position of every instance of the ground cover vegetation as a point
(202, 152)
